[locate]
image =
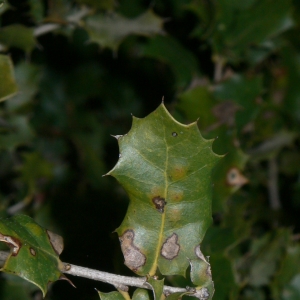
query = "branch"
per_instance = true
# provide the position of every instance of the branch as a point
(72, 19)
(219, 65)
(120, 282)
(273, 184)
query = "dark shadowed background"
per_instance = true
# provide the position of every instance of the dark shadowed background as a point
(83, 67)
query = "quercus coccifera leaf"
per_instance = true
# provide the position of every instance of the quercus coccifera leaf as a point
(140, 294)
(110, 30)
(165, 167)
(8, 86)
(111, 296)
(157, 287)
(34, 253)
(18, 36)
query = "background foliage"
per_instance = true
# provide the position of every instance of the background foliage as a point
(81, 67)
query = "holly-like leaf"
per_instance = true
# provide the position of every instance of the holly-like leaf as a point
(15, 287)
(238, 35)
(243, 92)
(34, 253)
(18, 36)
(111, 296)
(288, 274)
(157, 287)
(8, 86)
(140, 294)
(4, 6)
(103, 4)
(228, 178)
(27, 78)
(165, 167)
(168, 50)
(110, 30)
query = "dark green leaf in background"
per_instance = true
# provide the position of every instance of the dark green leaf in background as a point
(110, 30)
(27, 77)
(232, 64)
(8, 85)
(103, 4)
(166, 49)
(37, 10)
(242, 28)
(19, 36)
(286, 282)
(198, 103)
(244, 92)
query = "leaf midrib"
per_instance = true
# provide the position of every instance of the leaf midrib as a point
(153, 269)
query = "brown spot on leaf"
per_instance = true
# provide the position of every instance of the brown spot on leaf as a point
(178, 172)
(32, 251)
(134, 259)
(159, 203)
(175, 215)
(175, 195)
(12, 242)
(56, 242)
(235, 178)
(170, 247)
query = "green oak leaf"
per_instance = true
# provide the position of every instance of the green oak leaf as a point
(288, 273)
(242, 91)
(18, 36)
(8, 86)
(181, 61)
(165, 167)
(34, 253)
(111, 296)
(110, 30)
(4, 6)
(238, 35)
(36, 10)
(95, 4)
(157, 287)
(14, 287)
(140, 294)
(228, 177)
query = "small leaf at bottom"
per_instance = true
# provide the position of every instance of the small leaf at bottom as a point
(32, 254)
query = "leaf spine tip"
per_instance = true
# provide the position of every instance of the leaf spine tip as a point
(117, 136)
(163, 99)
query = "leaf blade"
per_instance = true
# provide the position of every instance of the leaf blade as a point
(161, 163)
(33, 257)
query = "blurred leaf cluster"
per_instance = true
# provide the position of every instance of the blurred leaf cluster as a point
(72, 72)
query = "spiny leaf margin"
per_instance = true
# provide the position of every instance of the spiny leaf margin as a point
(165, 167)
(34, 256)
